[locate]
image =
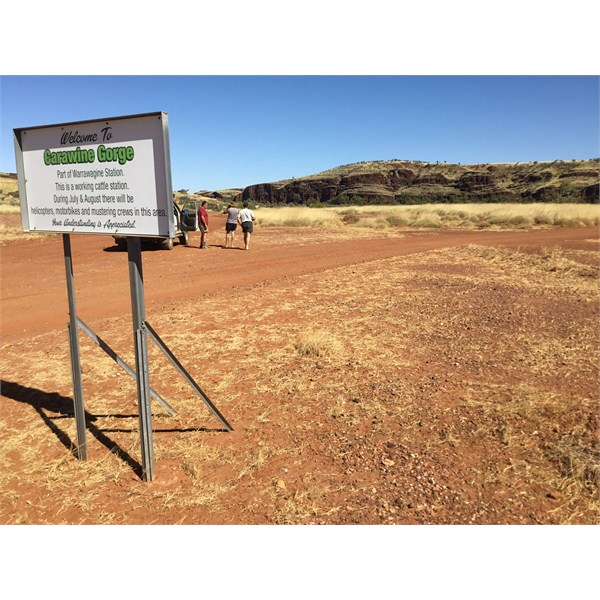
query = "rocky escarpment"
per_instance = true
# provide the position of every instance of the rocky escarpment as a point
(406, 182)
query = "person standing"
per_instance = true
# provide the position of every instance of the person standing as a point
(203, 223)
(246, 220)
(231, 225)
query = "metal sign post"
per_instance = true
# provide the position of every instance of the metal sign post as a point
(75, 357)
(138, 312)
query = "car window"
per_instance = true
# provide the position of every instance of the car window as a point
(189, 205)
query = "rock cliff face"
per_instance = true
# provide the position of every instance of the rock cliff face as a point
(406, 182)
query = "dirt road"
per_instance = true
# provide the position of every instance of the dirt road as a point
(34, 297)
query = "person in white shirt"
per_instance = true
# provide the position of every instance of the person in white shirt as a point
(246, 218)
(231, 225)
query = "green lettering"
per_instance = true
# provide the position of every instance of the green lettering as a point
(69, 157)
(122, 154)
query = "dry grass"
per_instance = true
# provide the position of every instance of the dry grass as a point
(10, 225)
(551, 260)
(558, 457)
(467, 216)
(386, 219)
(296, 217)
(470, 216)
(9, 187)
(318, 344)
(12, 233)
(8, 209)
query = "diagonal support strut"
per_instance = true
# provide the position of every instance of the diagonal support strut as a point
(173, 359)
(104, 346)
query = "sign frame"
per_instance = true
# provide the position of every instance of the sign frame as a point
(66, 149)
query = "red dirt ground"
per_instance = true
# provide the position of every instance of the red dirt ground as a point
(347, 458)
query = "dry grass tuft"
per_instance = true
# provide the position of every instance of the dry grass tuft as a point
(318, 344)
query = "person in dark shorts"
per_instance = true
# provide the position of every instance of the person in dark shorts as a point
(203, 223)
(231, 225)
(246, 219)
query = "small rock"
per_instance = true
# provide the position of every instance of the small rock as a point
(281, 484)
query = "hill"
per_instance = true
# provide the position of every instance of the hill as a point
(407, 182)
(417, 182)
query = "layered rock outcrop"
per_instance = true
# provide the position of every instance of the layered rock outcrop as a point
(407, 182)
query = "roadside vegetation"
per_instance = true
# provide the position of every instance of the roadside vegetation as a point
(461, 216)
(429, 216)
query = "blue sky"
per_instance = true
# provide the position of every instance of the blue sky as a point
(234, 131)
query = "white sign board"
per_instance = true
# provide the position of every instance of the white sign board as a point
(107, 176)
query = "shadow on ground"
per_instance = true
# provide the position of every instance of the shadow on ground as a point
(52, 402)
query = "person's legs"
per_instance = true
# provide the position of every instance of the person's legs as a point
(230, 235)
(247, 228)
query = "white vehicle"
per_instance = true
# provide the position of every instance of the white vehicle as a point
(181, 224)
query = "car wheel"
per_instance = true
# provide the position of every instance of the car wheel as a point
(184, 238)
(168, 244)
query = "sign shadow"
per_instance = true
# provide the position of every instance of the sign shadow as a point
(43, 402)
